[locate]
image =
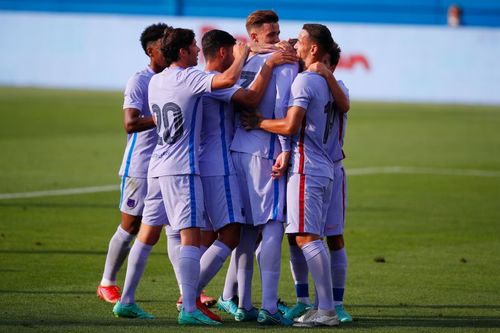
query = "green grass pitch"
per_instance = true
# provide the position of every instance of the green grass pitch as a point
(437, 227)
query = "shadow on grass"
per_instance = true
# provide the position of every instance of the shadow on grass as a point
(427, 306)
(65, 252)
(46, 292)
(426, 321)
(389, 322)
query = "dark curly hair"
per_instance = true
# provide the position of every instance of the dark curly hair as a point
(334, 53)
(152, 34)
(173, 41)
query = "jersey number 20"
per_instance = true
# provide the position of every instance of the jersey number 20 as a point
(168, 133)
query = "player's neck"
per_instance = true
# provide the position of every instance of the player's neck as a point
(310, 60)
(213, 66)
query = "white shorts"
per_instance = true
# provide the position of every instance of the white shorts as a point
(222, 201)
(174, 200)
(307, 198)
(263, 197)
(133, 193)
(335, 217)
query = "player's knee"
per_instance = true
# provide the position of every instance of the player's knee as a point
(230, 235)
(149, 235)
(131, 224)
(335, 243)
(304, 239)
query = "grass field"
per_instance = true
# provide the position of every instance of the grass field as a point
(435, 220)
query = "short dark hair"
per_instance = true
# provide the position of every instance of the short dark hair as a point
(152, 34)
(213, 40)
(257, 18)
(334, 54)
(173, 41)
(319, 34)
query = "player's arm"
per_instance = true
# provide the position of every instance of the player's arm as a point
(252, 96)
(133, 122)
(341, 99)
(229, 77)
(284, 126)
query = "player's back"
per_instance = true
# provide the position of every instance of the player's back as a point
(316, 136)
(140, 145)
(273, 105)
(174, 98)
(217, 133)
(339, 126)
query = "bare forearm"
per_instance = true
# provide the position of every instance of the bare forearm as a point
(258, 87)
(340, 98)
(231, 75)
(139, 124)
(278, 126)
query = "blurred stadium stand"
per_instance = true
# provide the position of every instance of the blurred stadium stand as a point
(424, 12)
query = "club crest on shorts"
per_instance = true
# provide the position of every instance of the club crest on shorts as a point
(131, 203)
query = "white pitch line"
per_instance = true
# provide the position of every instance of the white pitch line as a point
(69, 191)
(350, 172)
(414, 170)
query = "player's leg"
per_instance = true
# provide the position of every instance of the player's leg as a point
(228, 301)
(308, 198)
(300, 274)
(244, 252)
(334, 231)
(268, 198)
(132, 205)
(173, 246)
(183, 203)
(153, 220)
(270, 264)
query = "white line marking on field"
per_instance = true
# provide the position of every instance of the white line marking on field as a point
(414, 170)
(350, 172)
(69, 191)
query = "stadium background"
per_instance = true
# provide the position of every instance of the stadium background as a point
(423, 232)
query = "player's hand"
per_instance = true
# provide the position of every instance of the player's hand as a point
(240, 50)
(261, 47)
(250, 120)
(281, 57)
(319, 68)
(281, 164)
(285, 46)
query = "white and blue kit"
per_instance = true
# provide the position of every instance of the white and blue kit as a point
(140, 145)
(312, 171)
(335, 218)
(255, 151)
(220, 185)
(175, 194)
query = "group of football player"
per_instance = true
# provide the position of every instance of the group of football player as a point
(226, 161)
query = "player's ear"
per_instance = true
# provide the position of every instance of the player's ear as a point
(222, 52)
(314, 49)
(253, 37)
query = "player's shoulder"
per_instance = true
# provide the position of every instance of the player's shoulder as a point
(140, 78)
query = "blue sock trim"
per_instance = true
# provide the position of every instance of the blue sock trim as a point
(338, 294)
(302, 289)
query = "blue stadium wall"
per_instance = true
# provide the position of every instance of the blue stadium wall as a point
(421, 12)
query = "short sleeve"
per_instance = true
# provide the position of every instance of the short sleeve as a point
(224, 95)
(134, 94)
(300, 93)
(199, 82)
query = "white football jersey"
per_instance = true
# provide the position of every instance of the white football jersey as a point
(175, 99)
(140, 145)
(339, 126)
(273, 105)
(217, 133)
(316, 136)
